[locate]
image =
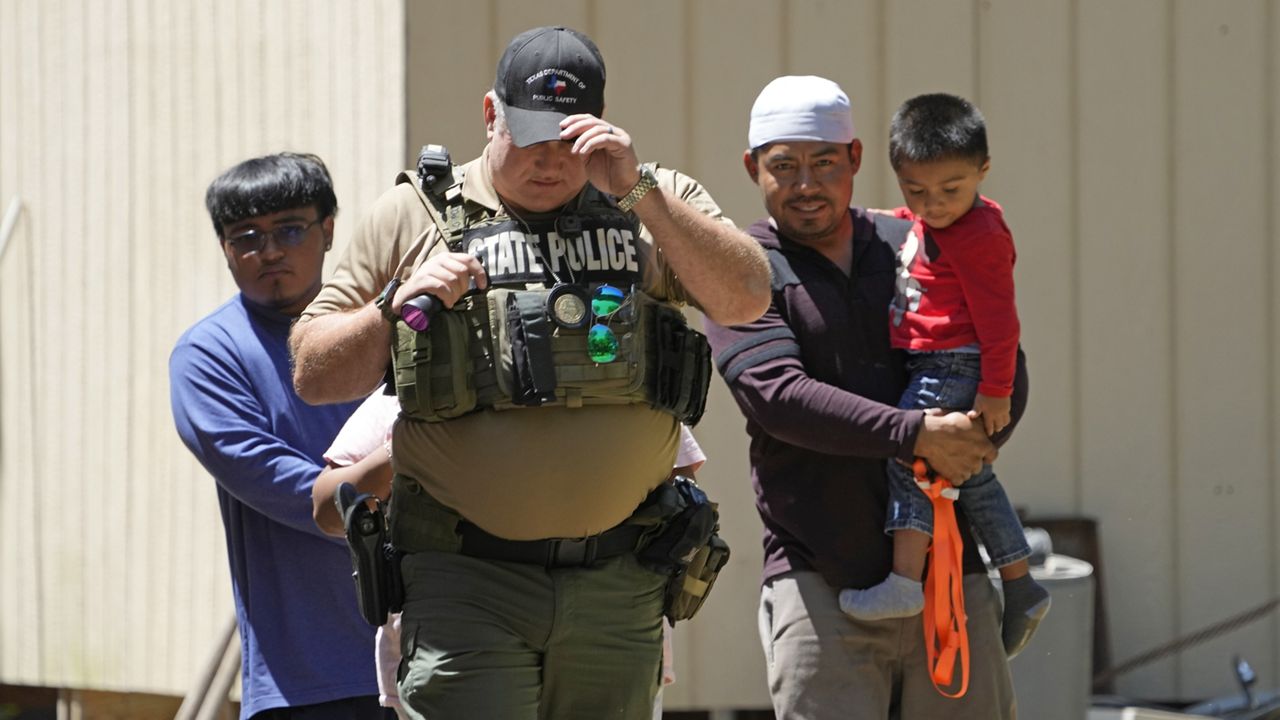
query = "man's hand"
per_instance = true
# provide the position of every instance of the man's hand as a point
(994, 412)
(612, 165)
(446, 276)
(955, 445)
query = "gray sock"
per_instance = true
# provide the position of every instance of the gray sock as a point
(1026, 602)
(896, 597)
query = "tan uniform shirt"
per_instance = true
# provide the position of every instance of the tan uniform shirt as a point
(526, 473)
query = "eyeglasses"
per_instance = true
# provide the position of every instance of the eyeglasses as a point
(287, 235)
(602, 343)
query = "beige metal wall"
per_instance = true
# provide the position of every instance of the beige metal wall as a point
(1135, 151)
(114, 117)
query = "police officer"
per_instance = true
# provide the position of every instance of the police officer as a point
(541, 406)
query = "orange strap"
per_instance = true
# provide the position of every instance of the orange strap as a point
(946, 633)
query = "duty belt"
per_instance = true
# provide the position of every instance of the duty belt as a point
(420, 523)
(551, 553)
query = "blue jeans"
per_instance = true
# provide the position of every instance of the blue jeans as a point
(949, 380)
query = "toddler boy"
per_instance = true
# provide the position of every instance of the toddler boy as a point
(954, 313)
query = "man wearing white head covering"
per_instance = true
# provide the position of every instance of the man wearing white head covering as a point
(818, 383)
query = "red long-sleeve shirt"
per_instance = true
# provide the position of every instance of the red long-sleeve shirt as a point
(960, 292)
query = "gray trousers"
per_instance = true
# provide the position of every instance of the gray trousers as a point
(825, 664)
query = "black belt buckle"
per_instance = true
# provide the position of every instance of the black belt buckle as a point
(572, 552)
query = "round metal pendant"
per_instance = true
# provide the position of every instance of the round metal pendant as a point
(567, 306)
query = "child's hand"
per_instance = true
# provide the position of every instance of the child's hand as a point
(994, 412)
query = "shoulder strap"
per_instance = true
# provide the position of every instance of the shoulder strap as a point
(443, 201)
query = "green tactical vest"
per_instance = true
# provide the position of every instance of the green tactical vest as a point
(499, 349)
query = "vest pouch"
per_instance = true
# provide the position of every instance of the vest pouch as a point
(499, 302)
(533, 372)
(681, 367)
(623, 379)
(560, 371)
(433, 369)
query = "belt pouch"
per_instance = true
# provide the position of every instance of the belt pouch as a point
(689, 588)
(685, 546)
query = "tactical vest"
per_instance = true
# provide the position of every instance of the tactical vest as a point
(500, 349)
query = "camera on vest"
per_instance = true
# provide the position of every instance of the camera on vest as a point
(434, 166)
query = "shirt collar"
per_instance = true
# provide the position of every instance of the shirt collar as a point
(269, 315)
(477, 184)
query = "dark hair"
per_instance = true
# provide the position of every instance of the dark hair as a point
(929, 128)
(270, 184)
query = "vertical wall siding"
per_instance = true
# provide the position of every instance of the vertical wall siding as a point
(1135, 151)
(1270, 189)
(1134, 148)
(1223, 481)
(114, 117)
(1125, 366)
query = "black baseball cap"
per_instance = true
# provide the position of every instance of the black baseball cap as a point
(545, 75)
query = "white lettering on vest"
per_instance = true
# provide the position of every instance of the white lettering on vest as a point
(531, 258)
(556, 250)
(629, 251)
(614, 249)
(504, 263)
(574, 251)
(507, 253)
(594, 250)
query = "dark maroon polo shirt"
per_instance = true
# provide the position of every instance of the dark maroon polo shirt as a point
(818, 384)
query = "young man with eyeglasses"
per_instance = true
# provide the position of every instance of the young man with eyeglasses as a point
(306, 651)
(520, 456)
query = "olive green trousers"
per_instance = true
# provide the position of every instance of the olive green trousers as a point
(512, 641)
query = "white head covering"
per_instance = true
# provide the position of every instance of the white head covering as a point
(800, 107)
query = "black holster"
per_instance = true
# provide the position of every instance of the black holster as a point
(375, 564)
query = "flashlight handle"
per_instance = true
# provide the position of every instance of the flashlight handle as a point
(417, 312)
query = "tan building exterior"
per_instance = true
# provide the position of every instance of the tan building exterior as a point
(1136, 149)
(114, 118)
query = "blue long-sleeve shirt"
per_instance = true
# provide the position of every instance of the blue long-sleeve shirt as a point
(231, 389)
